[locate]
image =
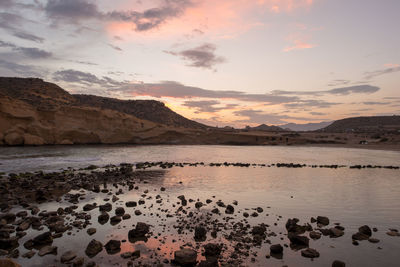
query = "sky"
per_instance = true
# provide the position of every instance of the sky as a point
(219, 62)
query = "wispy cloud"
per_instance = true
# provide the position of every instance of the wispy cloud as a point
(208, 106)
(31, 52)
(73, 11)
(391, 68)
(202, 56)
(358, 89)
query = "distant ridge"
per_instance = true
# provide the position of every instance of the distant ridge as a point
(306, 127)
(266, 128)
(374, 124)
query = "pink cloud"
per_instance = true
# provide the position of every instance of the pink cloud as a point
(298, 44)
(220, 19)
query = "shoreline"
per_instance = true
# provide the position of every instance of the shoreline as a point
(89, 202)
(382, 147)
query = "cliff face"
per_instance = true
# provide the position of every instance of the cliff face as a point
(150, 110)
(34, 112)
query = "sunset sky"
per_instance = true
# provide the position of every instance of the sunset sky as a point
(220, 62)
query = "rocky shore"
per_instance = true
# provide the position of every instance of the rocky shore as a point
(81, 218)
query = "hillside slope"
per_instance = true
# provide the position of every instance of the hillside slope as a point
(150, 110)
(376, 124)
(34, 112)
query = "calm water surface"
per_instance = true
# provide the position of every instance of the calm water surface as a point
(350, 196)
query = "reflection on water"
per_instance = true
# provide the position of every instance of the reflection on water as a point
(348, 196)
(52, 158)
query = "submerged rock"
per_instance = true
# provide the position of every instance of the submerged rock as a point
(93, 248)
(113, 246)
(200, 233)
(276, 249)
(68, 256)
(140, 231)
(310, 253)
(185, 256)
(47, 250)
(43, 239)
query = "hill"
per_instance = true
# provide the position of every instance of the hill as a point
(305, 127)
(375, 124)
(150, 110)
(266, 128)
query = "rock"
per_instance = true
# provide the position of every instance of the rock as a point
(185, 256)
(126, 216)
(393, 233)
(335, 232)
(276, 249)
(78, 262)
(323, 220)
(365, 229)
(245, 214)
(89, 207)
(33, 140)
(8, 263)
(258, 230)
(140, 230)
(68, 256)
(43, 239)
(29, 254)
(106, 207)
(91, 231)
(359, 236)
(310, 253)
(119, 211)
(373, 240)
(131, 204)
(212, 250)
(138, 212)
(200, 233)
(103, 218)
(126, 255)
(315, 235)
(14, 139)
(113, 246)
(229, 209)
(8, 217)
(8, 243)
(338, 264)
(24, 226)
(198, 205)
(298, 240)
(115, 220)
(93, 248)
(47, 250)
(210, 262)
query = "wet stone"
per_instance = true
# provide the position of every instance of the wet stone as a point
(310, 253)
(47, 250)
(276, 249)
(113, 246)
(93, 248)
(200, 233)
(91, 231)
(337, 263)
(185, 256)
(68, 256)
(119, 211)
(131, 204)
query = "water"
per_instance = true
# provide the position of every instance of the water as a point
(52, 158)
(351, 197)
